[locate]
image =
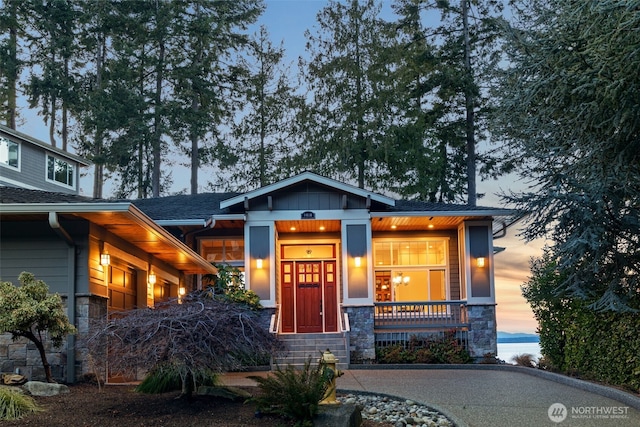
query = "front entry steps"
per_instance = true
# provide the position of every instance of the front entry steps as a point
(298, 348)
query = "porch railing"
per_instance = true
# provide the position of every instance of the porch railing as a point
(420, 315)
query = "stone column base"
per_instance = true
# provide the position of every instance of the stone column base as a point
(483, 338)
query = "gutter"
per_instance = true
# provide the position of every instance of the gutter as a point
(71, 293)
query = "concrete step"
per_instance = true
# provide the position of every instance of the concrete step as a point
(299, 347)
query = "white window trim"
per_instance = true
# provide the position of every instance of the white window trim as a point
(417, 267)
(53, 181)
(8, 166)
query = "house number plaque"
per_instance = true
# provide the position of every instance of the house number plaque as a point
(308, 215)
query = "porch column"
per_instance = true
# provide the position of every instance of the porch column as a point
(259, 265)
(478, 286)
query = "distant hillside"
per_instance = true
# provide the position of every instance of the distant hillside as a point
(507, 337)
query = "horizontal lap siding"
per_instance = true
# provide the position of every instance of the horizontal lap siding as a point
(454, 267)
(46, 259)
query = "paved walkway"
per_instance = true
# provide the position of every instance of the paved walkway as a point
(494, 396)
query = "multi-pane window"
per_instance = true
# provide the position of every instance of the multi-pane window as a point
(227, 251)
(60, 171)
(411, 270)
(9, 153)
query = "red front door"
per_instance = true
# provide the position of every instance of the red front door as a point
(309, 296)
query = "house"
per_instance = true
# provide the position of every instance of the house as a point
(340, 267)
(26, 162)
(335, 266)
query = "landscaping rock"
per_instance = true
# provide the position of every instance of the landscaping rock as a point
(37, 388)
(13, 379)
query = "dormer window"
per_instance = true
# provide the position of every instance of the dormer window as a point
(60, 171)
(9, 153)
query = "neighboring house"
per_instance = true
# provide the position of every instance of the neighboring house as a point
(342, 267)
(335, 266)
(26, 162)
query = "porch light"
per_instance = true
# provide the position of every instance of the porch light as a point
(480, 262)
(358, 261)
(152, 278)
(182, 290)
(105, 259)
(259, 263)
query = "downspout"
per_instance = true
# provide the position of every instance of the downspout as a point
(71, 293)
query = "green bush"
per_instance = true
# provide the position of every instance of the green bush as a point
(14, 405)
(294, 393)
(228, 284)
(447, 349)
(167, 377)
(574, 339)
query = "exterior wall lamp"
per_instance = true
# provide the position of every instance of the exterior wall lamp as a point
(259, 263)
(152, 279)
(480, 262)
(358, 261)
(182, 291)
(105, 259)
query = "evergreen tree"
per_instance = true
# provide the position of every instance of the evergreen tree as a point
(11, 29)
(570, 115)
(426, 163)
(53, 55)
(349, 113)
(468, 40)
(266, 132)
(206, 77)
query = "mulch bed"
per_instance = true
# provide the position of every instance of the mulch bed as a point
(121, 406)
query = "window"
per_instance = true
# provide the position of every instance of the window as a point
(227, 251)
(411, 270)
(60, 171)
(9, 153)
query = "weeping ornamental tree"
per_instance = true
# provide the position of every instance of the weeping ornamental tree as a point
(198, 334)
(570, 114)
(29, 311)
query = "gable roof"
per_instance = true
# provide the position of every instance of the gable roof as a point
(48, 147)
(307, 176)
(123, 219)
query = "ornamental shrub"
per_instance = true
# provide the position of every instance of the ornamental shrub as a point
(30, 311)
(229, 285)
(574, 339)
(447, 349)
(294, 393)
(15, 405)
(168, 376)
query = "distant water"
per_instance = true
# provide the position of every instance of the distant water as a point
(507, 350)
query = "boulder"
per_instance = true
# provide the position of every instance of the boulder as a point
(37, 388)
(13, 379)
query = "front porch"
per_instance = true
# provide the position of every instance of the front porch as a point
(365, 328)
(420, 316)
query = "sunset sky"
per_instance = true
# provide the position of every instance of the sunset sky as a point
(287, 20)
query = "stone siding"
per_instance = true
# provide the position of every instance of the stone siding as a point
(22, 356)
(361, 338)
(483, 338)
